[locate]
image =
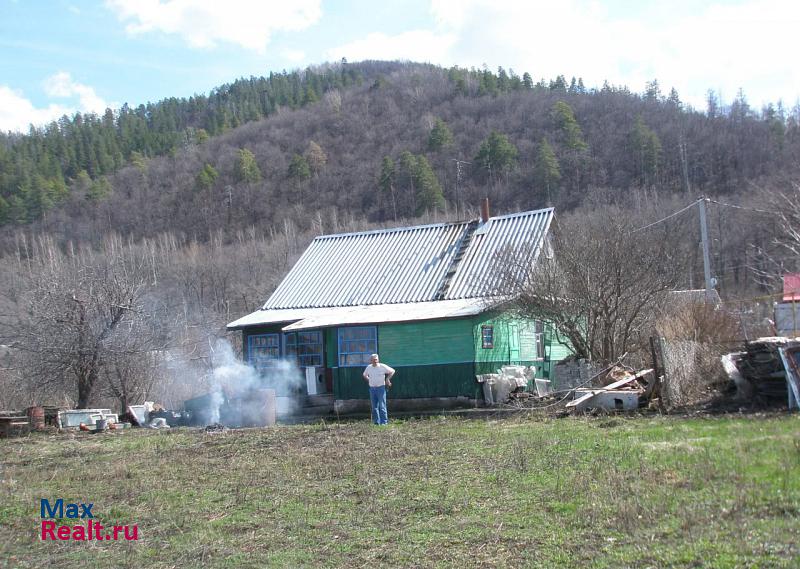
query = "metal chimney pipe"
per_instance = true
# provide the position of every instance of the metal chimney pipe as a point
(485, 210)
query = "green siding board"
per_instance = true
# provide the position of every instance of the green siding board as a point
(410, 382)
(502, 350)
(507, 351)
(331, 347)
(424, 343)
(439, 358)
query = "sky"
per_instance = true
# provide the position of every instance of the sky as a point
(63, 56)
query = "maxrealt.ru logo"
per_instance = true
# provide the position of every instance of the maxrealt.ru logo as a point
(84, 531)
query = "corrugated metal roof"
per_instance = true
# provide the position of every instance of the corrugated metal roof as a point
(374, 267)
(481, 270)
(408, 264)
(404, 312)
(308, 318)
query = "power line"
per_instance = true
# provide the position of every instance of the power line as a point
(691, 205)
(744, 208)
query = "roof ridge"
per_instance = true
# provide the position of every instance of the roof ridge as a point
(393, 229)
(429, 225)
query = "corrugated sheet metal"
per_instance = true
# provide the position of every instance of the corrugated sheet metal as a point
(374, 314)
(406, 265)
(310, 318)
(375, 267)
(484, 265)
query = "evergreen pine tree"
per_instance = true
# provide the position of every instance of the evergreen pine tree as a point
(646, 148)
(299, 170)
(205, 178)
(497, 154)
(527, 80)
(100, 189)
(440, 136)
(5, 211)
(571, 133)
(547, 171)
(429, 191)
(246, 169)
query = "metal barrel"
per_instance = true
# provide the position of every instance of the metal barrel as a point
(36, 417)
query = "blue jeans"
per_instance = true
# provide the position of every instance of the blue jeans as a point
(377, 396)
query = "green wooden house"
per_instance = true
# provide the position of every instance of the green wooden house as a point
(426, 298)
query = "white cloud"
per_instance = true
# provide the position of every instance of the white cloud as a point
(724, 47)
(416, 45)
(204, 23)
(293, 55)
(17, 112)
(61, 85)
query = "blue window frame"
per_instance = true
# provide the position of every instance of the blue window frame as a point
(263, 350)
(356, 345)
(305, 347)
(487, 337)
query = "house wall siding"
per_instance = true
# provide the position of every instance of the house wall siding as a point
(410, 382)
(437, 358)
(432, 359)
(424, 343)
(489, 360)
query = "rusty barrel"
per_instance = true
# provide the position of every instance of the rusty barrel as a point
(36, 417)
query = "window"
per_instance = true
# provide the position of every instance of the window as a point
(306, 347)
(487, 337)
(356, 345)
(263, 350)
(531, 339)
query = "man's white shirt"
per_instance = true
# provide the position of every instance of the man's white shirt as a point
(377, 374)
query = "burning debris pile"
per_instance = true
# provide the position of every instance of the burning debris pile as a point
(243, 408)
(240, 396)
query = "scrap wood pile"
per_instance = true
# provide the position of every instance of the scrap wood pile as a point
(618, 389)
(758, 372)
(615, 388)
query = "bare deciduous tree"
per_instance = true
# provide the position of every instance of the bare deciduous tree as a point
(71, 308)
(601, 286)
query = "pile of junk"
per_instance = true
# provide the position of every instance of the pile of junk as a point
(245, 408)
(616, 387)
(766, 371)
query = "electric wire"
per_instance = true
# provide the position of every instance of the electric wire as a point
(743, 207)
(670, 216)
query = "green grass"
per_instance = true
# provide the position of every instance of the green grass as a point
(441, 492)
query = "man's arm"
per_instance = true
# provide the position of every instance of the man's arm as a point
(365, 376)
(389, 374)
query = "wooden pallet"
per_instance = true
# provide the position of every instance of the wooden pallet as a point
(13, 425)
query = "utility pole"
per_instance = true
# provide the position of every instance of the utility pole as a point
(709, 280)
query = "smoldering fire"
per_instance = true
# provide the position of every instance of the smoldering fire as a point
(241, 396)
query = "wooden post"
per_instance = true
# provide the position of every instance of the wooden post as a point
(656, 375)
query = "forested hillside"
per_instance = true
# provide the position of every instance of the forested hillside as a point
(379, 140)
(145, 231)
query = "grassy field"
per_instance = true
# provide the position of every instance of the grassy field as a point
(441, 492)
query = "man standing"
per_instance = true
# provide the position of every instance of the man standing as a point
(379, 378)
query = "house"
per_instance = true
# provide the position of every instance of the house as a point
(426, 298)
